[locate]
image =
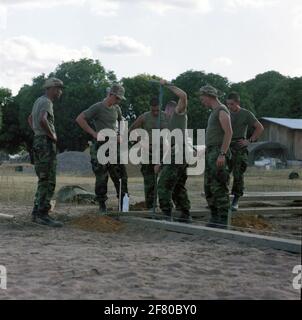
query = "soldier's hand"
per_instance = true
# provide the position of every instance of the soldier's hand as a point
(54, 138)
(220, 161)
(243, 143)
(156, 168)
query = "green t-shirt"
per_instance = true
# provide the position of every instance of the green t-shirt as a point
(151, 122)
(103, 117)
(214, 132)
(178, 121)
(40, 105)
(241, 122)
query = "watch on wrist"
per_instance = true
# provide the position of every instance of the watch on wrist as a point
(222, 153)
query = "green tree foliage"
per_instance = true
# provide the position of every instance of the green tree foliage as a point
(261, 86)
(191, 81)
(139, 91)
(269, 94)
(85, 83)
(5, 96)
(10, 139)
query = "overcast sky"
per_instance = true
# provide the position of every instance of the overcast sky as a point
(235, 38)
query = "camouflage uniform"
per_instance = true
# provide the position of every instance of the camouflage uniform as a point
(102, 172)
(216, 185)
(216, 180)
(44, 154)
(242, 121)
(173, 177)
(44, 151)
(171, 186)
(147, 170)
(104, 117)
(238, 166)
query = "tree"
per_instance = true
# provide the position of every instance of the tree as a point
(191, 81)
(139, 91)
(259, 88)
(284, 100)
(85, 83)
(5, 96)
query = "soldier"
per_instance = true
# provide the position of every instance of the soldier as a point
(217, 161)
(41, 121)
(104, 115)
(173, 177)
(149, 121)
(242, 121)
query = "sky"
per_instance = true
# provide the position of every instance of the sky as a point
(237, 39)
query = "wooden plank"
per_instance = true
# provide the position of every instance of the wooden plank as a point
(6, 216)
(270, 196)
(205, 212)
(248, 238)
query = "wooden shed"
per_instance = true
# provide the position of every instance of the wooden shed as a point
(287, 132)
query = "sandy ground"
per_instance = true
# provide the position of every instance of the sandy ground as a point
(135, 263)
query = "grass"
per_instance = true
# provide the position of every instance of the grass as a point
(19, 188)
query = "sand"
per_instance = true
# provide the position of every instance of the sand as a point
(134, 262)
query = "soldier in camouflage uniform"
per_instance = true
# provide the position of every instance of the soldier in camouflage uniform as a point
(104, 115)
(242, 122)
(173, 177)
(218, 155)
(149, 121)
(41, 121)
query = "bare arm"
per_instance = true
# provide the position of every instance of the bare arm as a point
(82, 122)
(44, 124)
(138, 123)
(30, 121)
(225, 123)
(258, 131)
(182, 101)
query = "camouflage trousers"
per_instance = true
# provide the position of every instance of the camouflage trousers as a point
(216, 185)
(147, 171)
(44, 154)
(171, 186)
(102, 173)
(238, 167)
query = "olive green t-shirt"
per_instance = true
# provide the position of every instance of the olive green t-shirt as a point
(42, 104)
(178, 121)
(241, 122)
(151, 122)
(214, 131)
(103, 117)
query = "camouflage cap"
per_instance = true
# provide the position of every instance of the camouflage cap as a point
(208, 91)
(53, 82)
(118, 91)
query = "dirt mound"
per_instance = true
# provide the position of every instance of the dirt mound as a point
(97, 223)
(251, 222)
(138, 206)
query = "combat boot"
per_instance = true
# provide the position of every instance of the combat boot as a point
(34, 212)
(102, 208)
(185, 217)
(46, 220)
(167, 215)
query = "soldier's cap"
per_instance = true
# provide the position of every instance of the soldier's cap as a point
(118, 91)
(53, 82)
(208, 91)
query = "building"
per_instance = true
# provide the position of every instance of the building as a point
(287, 132)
